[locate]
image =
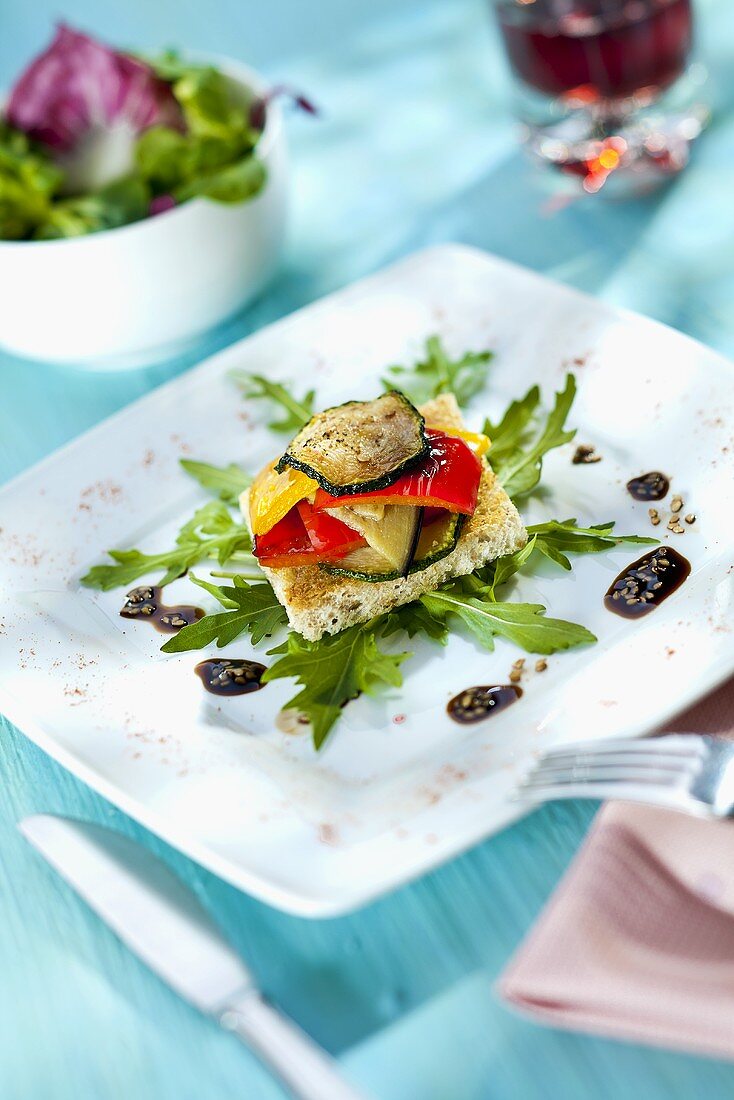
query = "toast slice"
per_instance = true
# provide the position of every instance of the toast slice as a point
(318, 604)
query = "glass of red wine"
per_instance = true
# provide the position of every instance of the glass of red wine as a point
(605, 89)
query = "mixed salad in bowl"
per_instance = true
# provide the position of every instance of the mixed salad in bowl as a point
(93, 138)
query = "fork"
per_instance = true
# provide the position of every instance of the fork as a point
(687, 772)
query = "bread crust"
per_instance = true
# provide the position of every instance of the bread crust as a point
(317, 603)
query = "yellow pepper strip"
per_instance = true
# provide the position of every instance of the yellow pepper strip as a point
(273, 495)
(479, 443)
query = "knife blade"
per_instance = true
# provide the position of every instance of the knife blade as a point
(162, 921)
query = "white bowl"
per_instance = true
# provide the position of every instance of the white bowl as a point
(127, 296)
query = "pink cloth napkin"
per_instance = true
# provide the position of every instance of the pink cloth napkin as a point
(638, 940)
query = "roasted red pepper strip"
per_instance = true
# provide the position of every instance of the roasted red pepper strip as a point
(329, 537)
(304, 537)
(448, 478)
(285, 544)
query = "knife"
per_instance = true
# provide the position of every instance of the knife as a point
(162, 921)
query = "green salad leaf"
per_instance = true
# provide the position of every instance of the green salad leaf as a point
(415, 619)
(232, 183)
(213, 107)
(297, 411)
(214, 158)
(119, 203)
(335, 670)
(555, 539)
(525, 624)
(501, 570)
(185, 166)
(250, 608)
(558, 538)
(226, 482)
(168, 64)
(163, 158)
(28, 182)
(212, 533)
(523, 437)
(438, 373)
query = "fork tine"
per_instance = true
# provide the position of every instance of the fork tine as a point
(620, 754)
(688, 745)
(674, 770)
(677, 797)
(582, 761)
(580, 765)
(604, 774)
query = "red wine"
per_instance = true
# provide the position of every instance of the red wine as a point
(601, 49)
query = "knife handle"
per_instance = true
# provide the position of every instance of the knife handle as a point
(306, 1070)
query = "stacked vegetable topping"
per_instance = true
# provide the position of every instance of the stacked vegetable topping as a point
(366, 490)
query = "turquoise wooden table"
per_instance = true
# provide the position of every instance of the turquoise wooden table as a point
(415, 146)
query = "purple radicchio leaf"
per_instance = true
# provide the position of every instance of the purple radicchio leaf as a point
(160, 204)
(80, 93)
(259, 106)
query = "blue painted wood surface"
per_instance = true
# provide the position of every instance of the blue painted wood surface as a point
(415, 146)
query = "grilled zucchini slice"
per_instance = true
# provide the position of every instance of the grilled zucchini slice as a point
(361, 446)
(435, 541)
(364, 564)
(438, 539)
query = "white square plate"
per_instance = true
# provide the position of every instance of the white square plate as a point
(399, 786)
